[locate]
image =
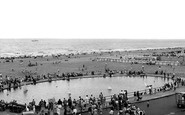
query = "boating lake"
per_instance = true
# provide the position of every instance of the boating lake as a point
(80, 87)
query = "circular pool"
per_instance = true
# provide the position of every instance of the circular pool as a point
(80, 87)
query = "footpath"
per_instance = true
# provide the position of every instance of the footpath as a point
(158, 95)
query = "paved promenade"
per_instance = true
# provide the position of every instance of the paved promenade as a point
(158, 95)
(161, 103)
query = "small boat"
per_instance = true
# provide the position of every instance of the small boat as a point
(34, 40)
(69, 93)
(109, 88)
(148, 85)
(26, 90)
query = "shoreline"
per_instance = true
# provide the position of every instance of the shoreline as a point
(89, 52)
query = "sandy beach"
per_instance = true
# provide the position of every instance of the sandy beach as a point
(85, 63)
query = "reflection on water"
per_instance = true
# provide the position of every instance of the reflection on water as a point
(80, 87)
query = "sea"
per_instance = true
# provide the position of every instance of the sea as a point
(34, 47)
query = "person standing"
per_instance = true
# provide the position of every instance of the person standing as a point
(148, 104)
(150, 90)
(138, 96)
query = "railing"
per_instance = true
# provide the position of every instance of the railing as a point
(142, 92)
(130, 95)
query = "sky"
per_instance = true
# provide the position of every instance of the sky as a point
(121, 19)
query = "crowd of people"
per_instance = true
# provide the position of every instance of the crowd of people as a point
(10, 82)
(90, 104)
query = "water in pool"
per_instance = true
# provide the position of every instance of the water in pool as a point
(80, 87)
